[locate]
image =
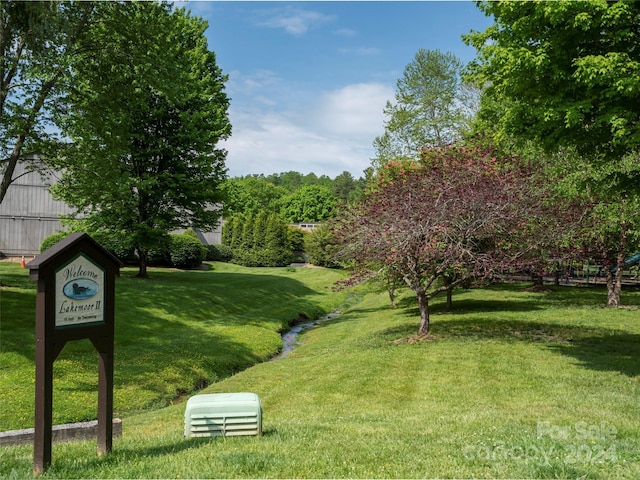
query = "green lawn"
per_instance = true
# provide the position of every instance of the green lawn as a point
(514, 385)
(179, 331)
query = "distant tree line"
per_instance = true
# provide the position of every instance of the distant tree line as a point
(297, 197)
(258, 209)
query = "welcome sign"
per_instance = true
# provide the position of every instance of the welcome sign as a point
(75, 300)
(79, 293)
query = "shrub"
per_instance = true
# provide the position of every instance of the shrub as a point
(296, 238)
(52, 239)
(160, 256)
(118, 243)
(191, 233)
(186, 251)
(262, 257)
(219, 253)
(321, 246)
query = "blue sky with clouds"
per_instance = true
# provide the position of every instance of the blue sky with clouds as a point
(308, 81)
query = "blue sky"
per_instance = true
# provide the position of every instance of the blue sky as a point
(308, 81)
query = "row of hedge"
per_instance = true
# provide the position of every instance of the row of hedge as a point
(186, 251)
(180, 251)
(260, 240)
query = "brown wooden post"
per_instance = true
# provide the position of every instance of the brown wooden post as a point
(105, 395)
(44, 408)
(75, 300)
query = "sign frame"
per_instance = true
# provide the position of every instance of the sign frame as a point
(76, 303)
(51, 339)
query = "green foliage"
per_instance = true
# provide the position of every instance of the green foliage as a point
(256, 193)
(192, 233)
(160, 254)
(38, 45)
(296, 238)
(146, 113)
(219, 253)
(186, 251)
(52, 239)
(251, 195)
(116, 244)
(566, 75)
(346, 188)
(293, 181)
(309, 204)
(247, 237)
(359, 393)
(258, 240)
(433, 107)
(321, 246)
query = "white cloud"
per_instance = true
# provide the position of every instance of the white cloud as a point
(367, 51)
(345, 32)
(295, 21)
(330, 135)
(257, 81)
(354, 111)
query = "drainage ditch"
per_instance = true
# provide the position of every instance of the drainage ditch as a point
(290, 338)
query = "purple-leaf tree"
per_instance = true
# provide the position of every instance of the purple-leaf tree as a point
(454, 215)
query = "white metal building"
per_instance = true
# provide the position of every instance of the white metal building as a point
(29, 213)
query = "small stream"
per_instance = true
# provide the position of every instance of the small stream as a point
(290, 338)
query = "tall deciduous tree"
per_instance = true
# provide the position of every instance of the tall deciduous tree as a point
(252, 195)
(451, 216)
(39, 41)
(566, 75)
(147, 111)
(432, 107)
(610, 230)
(313, 203)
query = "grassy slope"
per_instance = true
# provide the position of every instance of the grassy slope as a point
(173, 333)
(354, 402)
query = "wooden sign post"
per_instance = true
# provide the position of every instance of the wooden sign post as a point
(74, 300)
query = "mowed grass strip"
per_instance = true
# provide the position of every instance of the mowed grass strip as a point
(514, 384)
(180, 331)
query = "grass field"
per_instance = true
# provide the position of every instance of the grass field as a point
(514, 384)
(179, 331)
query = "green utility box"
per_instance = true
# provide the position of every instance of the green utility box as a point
(223, 414)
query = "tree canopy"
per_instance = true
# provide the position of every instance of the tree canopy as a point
(568, 70)
(432, 107)
(298, 197)
(564, 75)
(313, 203)
(146, 112)
(252, 195)
(453, 215)
(39, 42)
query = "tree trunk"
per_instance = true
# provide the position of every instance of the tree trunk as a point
(392, 292)
(614, 279)
(538, 281)
(143, 257)
(613, 290)
(423, 306)
(449, 301)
